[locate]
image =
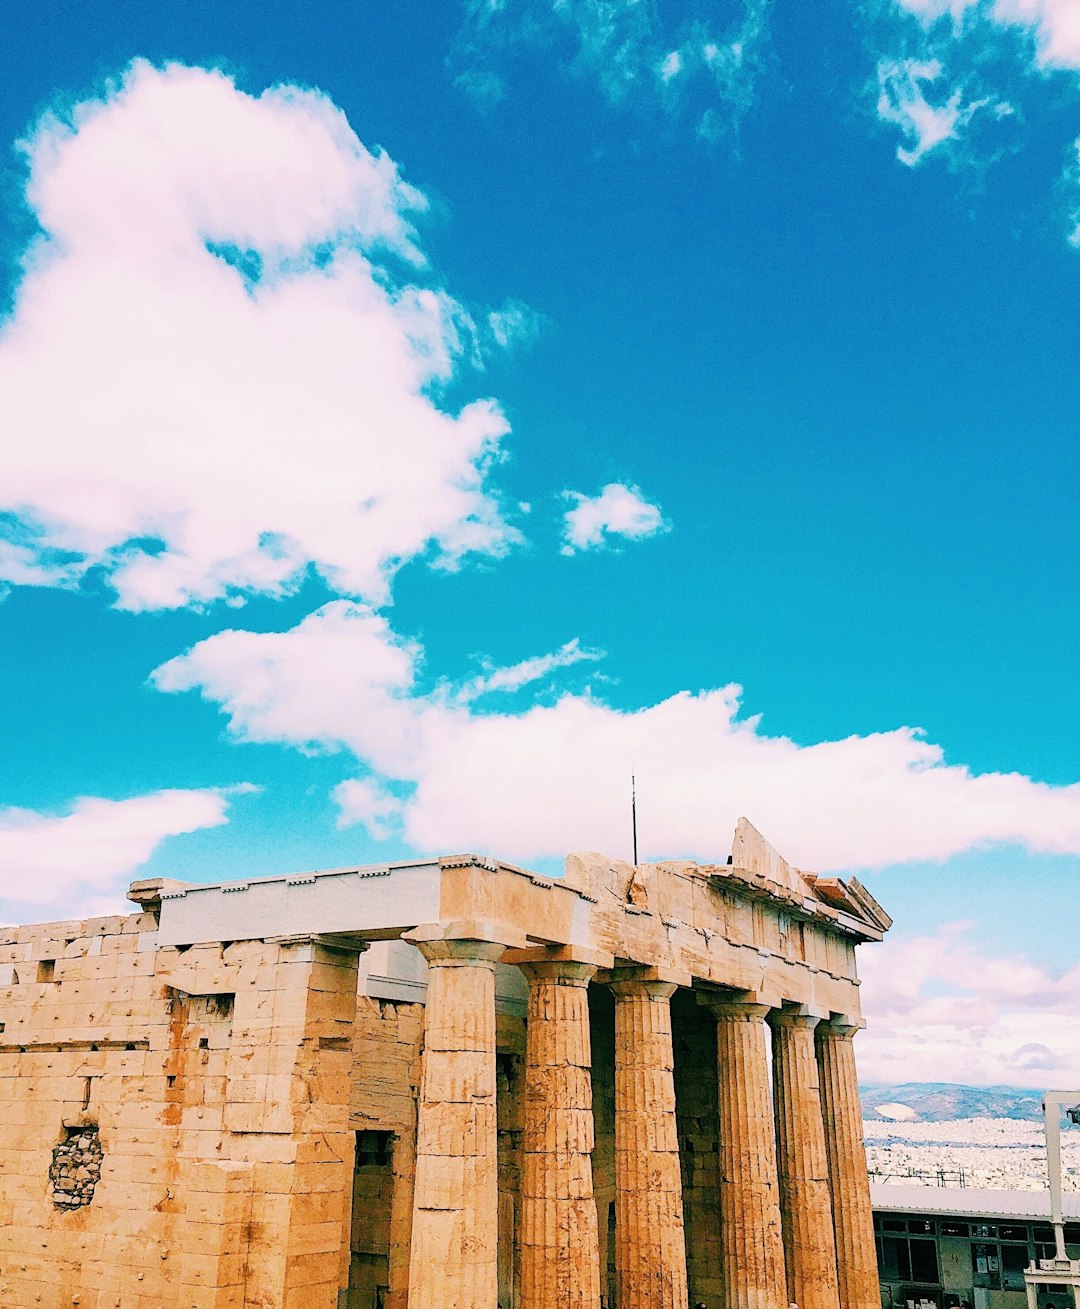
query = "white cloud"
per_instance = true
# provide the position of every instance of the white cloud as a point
(514, 324)
(902, 100)
(670, 66)
(929, 11)
(220, 370)
(940, 1009)
(1054, 25)
(23, 565)
(626, 47)
(363, 800)
(983, 44)
(553, 777)
(617, 511)
(514, 677)
(68, 865)
(1072, 177)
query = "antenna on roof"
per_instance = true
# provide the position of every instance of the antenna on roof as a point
(633, 812)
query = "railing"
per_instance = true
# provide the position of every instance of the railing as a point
(926, 1176)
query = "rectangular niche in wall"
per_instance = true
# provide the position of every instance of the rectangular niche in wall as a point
(76, 1167)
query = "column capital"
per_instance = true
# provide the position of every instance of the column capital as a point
(841, 1026)
(639, 975)
(744, 1006)
(472, 941)
(337, 943)
(624, 988)
(795, 1015)
(571, 965)
(460, 951)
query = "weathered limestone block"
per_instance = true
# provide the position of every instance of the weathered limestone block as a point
(453, 1263)
(291, 1121)
(805, 1203)
(853, 1219)
(560, 1263)
(650, 1243)
(752, 1251)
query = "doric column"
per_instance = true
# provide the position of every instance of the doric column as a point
(453, 1260)
(560, 1260)
(752, 1251)
(849, 1185)
(650, 1244)
(805, 1203)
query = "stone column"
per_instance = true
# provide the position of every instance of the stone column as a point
(453, 1259)
(752, 1251)
(560, 1258)
(805, 1203)
(650, 1244)
(849, 1185)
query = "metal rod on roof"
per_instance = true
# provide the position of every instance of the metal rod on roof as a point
(633, 812)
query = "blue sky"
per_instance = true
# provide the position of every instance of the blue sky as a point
(416, 419)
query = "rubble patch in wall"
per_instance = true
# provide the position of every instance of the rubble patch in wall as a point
(76, 1168)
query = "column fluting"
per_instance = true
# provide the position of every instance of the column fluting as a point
(453, 1260)
(560, 1261)
(650, 1243)
(805, 1202)
(849, 1184)
(752, 1251)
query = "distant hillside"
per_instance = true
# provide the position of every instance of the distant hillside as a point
(933, 1102)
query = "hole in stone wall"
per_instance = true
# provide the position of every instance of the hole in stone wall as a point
(76, 1167)
(46, 970)
(373, 1148)
(220, 1006)
(204, 1043)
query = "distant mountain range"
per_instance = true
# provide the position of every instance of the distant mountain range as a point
(934, 1102)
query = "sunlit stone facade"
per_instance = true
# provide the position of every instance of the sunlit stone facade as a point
(449, 1084)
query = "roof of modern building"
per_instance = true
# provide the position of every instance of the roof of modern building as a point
(969, 1201)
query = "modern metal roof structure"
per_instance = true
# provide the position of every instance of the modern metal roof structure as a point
(973, 1202)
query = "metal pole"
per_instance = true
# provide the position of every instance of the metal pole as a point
(633, 812)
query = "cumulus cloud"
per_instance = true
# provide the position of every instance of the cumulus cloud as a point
(940, 1009)
(71, 864)
(1056, 24)
(225, 359)
(618, 510)
(535, 782)
(903, 101)
(627, 48)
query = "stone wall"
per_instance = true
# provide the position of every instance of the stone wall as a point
(225, 1124)
(217, 1081)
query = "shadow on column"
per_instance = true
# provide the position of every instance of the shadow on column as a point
(694, 1039)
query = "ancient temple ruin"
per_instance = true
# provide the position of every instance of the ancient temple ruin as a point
(445, 1084)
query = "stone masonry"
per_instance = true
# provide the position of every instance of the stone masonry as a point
(446, 1084)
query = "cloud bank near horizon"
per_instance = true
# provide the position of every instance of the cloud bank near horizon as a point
(74, 864)
(536, 781)
(940, 1009)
